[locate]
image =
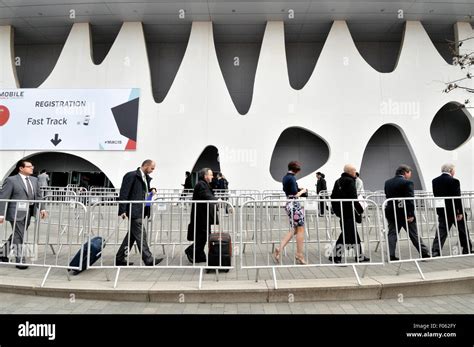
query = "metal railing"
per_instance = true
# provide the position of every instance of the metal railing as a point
(256, 228)
(161, 228)
(266, 222)
(430, 223)
(50, 242)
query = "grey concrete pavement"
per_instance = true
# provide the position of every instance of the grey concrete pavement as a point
(24, 304)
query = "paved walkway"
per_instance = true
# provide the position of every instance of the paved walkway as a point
(23, 304)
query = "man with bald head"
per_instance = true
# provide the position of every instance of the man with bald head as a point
(345, 188)
(135, 187)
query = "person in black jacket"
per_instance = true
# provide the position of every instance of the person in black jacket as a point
(321, 186)
(135, 186)
(402, 214)
(188, 182)
(451, 213)
(221, 183)
(345, 188)
(188, 185)
(203, 215)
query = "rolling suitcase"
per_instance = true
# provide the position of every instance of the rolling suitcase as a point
(97, 244)
(220, 250)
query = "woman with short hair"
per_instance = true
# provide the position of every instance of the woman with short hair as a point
(295, 213)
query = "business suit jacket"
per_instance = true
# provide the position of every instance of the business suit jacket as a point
(345, 188)
(14, 189)
(399, 187)
(446, 185)
(204, 217)
(133, 188)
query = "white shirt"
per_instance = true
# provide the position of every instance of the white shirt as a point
(359, 185)
(144, 180)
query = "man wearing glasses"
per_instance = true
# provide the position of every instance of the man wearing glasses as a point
(22, 186)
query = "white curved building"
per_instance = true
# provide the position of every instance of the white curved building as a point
(373, 119)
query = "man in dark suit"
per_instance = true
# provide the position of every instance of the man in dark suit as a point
(345, 188)
(135, 186)
(451, 211)
(402, 214)
(202, 217)
(22, 186)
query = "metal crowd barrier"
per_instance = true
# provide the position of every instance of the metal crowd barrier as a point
(50, 242)
(53, 188)
(172, 196)
(86, 198)
(265, 222)
(59, 195)
(255, 194)
(256, 228)
(429, 228)
(104, 191)
(169, 191)
(165, 231)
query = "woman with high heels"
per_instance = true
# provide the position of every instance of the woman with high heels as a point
(295, 213)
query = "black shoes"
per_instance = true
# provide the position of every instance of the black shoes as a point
(394, 258)
(123, 263)
(336, 260)
(188, 255)
(156, 262)
(362, 259)
(426, 255)
(130, 263)
(208, 271)
(6, 260)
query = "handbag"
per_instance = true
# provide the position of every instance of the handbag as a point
(304, 195)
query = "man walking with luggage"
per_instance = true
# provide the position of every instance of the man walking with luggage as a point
(202, 216)
(402, 214)
(135, 186)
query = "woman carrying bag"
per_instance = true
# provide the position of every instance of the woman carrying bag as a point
(295, 213)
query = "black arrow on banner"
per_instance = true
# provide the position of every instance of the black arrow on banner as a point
(56, 139)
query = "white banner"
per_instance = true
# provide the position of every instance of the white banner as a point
(69, 119)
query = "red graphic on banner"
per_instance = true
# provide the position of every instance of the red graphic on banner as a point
(131, 145)
(4, 115)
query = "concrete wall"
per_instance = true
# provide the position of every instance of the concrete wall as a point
(344, 101)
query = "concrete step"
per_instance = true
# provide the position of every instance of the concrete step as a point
(301, 290)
